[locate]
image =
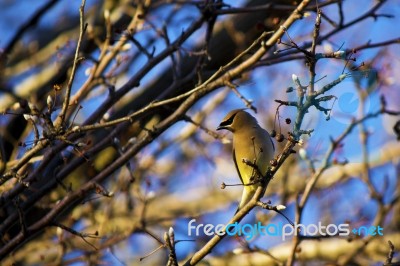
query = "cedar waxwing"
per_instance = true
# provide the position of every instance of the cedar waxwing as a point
(251, 143)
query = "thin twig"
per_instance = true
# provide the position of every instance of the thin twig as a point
(60, 119)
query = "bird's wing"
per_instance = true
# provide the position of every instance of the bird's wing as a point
(236, 165)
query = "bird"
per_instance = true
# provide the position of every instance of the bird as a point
(252, 150)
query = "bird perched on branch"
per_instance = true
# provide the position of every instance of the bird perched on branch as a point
(252, 150)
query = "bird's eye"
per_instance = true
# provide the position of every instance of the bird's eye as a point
(229, 121)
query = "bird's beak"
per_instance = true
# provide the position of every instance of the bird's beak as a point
(222, 127)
